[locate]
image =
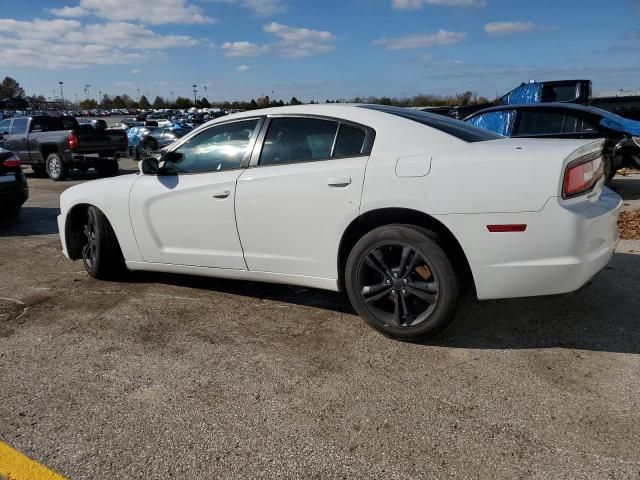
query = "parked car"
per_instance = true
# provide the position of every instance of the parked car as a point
(54, 145)
(160, 138)
(134, 138)
(568, 121)
(14, 190)
(397, 207)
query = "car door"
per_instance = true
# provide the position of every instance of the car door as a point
(17, 141)
(5, 131)
(302, 190)
(186, 215)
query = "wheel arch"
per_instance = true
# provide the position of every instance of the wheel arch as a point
(47, 149)
(73, 229)
(386, 216)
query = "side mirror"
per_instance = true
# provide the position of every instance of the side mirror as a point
(149, 166)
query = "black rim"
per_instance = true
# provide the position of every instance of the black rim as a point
(89, 248)
(398, 285)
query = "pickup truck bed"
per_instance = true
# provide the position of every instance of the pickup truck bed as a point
(57, 144)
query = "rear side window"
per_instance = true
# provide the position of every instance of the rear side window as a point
(19, 125)
(291, 140)
(5, 125)
(540, 123)
(350, 141)
(456, 128)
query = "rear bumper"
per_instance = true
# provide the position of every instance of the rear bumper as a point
(564, 246)
(14, 192)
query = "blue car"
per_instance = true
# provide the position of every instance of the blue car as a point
(135, 136)
(571, 121)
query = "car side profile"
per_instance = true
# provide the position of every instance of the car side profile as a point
(400, 209)
(568, 121)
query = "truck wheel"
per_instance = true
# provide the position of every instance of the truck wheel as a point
(101, 254)
(108, 168)
(401, 281)
(56, 168)
(39, 170)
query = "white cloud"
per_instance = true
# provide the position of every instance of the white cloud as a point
(259, 7)
(135, 71)
(243, 49)
(417, 4)
(497, 29)
(243, 68)
(300, 42)
(64, 43)
(154, 12)
(438, 39)
(292, 42)
(69, 12)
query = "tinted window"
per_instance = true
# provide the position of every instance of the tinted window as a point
(456, 128)
(19, 125)
(540, 123)
(562, 93)
(5, 125)
(350, 141)
(223, 147)
(298, 139)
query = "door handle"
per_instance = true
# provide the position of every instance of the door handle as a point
(221, 194)
(339, 182)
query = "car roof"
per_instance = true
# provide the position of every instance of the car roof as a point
(546, 106)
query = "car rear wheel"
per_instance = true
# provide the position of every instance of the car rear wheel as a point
(401, 281)
(56, 168)
(101, 253)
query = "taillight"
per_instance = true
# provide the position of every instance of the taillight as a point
(582, 175)
(73, 141)
(11, 162)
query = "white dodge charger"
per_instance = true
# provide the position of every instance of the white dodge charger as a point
(401, 209)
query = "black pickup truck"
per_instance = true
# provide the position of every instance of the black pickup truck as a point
(55, 145)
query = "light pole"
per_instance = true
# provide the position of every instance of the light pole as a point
(172, 94)
(61, 93)
(195, 95)
(99, 97)
(205, 92)
(86, 90)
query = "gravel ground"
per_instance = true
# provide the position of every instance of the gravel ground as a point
(168, 376)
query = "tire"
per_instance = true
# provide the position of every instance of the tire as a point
(108, 168)
(55, 167)
(609, 171)
(410, 299)
(101, 254)
(39, 170)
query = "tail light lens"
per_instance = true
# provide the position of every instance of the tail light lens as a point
(73, 141)
(582, 175)
(11, 162)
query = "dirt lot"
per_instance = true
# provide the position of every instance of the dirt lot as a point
(179, 377)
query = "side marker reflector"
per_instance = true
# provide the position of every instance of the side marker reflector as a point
(507, 228)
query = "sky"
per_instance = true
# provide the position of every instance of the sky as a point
(243, 49)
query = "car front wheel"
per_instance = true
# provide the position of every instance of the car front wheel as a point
(101, 253)
(401, 281)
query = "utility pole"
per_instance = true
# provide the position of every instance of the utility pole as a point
(61, 93)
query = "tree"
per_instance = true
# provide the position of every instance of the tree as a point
(119, 102)
(144, 102)
(183, 103)
(159, 102)
(203, 103)
(295, 101)
(9, 88)
(252, 104)
(89, 103)
(106, 102)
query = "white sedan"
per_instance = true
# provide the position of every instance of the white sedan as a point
(401, 209)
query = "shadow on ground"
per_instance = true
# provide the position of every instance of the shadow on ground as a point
(603, 316)
(31, 221)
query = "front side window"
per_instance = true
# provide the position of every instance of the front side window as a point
(223, 147)
(297, 140)
(19, 125)
(5, 125)
(500, 122)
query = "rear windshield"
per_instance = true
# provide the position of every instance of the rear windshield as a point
(453, 127)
